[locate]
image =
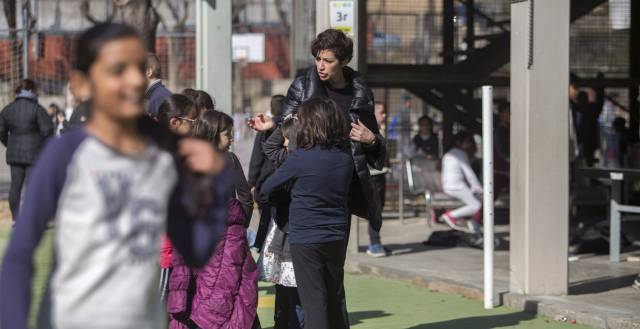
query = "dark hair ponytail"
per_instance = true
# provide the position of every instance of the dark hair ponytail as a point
(211, 124)
(91, 41)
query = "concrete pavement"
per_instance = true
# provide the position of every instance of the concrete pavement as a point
(600, 292)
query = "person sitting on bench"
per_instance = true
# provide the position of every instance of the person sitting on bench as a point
(459, 181)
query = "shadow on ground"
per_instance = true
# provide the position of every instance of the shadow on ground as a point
(479, 322)
(358, 317)
(601, 284)
(486, 322)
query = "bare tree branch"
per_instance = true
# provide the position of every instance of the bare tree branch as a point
(282, 14)
(86, 12)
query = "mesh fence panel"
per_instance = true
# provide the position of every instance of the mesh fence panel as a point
(600, 41)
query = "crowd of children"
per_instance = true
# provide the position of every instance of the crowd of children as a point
(149, 175)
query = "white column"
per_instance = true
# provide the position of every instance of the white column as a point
(487, 181)
(213, 51)
(539, 147)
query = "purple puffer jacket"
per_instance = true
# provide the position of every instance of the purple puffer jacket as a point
(223, 294)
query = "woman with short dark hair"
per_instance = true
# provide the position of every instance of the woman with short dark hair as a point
(332, 78)
(24, 127)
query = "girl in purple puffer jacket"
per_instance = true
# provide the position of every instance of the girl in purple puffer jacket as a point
(224, 293)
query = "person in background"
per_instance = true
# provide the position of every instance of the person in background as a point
(319, 211)
(177, 113)
(57, 117)
(378, 177)
(623, 139)
(60, 122)
(223, 293)
(52, 109)
(113, 187)
(156, 91)
(24, 127)
(587, 106)
(460, 181)
(331, 77)
(502, 144)
(201, 98)
(426, 142)
(275, 261)
(260, 168)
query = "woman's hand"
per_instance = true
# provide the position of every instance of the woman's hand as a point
(200, 157)
(360, 133)
(261, 122)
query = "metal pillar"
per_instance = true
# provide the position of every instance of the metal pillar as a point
(447, 31)
(540, 147)
(487, 181)
(25, 40)
(213, 51)
(634, 70)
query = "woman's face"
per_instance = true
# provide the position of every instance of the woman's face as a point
(329, 68)
(116, 79)
(226, 137)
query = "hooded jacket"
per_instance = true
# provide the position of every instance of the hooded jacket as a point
(224, 293)
(364, 201)
(24, 128)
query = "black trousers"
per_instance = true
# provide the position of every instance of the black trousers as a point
(319, 270)
(19, 174)
(379, 182)
(288, 309)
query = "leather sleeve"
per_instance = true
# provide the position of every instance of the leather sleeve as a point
(294, 97)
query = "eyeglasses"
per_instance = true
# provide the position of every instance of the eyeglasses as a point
(191, 121)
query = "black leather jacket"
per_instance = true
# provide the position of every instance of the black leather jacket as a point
(364, 201)
(24, 127)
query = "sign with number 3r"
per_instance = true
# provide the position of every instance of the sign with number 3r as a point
(342, 16)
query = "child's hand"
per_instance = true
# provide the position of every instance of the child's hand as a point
(200, 157)
(261, 122)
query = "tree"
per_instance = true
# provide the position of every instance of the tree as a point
(9, 7)
(139, 13)
(179, 11)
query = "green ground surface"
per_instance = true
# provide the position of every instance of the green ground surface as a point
(374, 303)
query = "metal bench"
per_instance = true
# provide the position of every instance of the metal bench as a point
(616, 206)
(424, 179)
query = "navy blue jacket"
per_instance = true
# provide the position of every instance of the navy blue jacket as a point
(320, 195)
(156, 94)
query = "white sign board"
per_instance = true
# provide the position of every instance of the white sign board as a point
(342, 16)
(248, 47)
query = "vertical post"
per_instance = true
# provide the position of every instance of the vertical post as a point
(614, 221)
(447, 31)
(360, 36)
(487, 180)
(401, 191)
(634, 70)
(25, 40)
(539, 203)
(213, 54)
(471, 25)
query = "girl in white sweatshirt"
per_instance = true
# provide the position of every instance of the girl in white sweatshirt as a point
(460, 182)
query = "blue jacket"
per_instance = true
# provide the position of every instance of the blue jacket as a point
(156, 94)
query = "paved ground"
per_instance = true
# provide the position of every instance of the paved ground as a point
(600, 292)
(373, 302)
